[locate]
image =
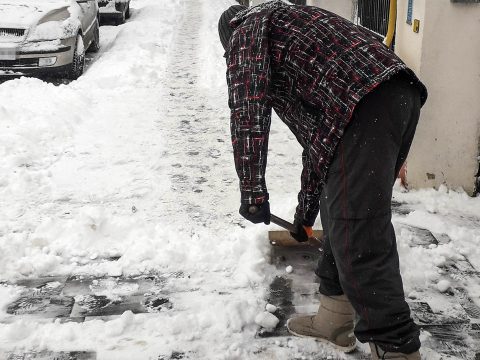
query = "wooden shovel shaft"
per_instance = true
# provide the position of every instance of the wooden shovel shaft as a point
(283, 223)
(284, 239)
(275, 219)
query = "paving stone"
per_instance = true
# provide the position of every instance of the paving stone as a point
(295, 292)
(47, 306)
(420, 237)
(450, 340)
(472, 309)
(75, 298)
(401, 208)
(423, 314)
(48, 355)
(77, 285)
(44, 285)
(175, 355)
(100, 305)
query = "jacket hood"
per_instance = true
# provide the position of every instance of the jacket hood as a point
(242, 15)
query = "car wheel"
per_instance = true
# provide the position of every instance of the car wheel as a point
(95, 45)
(127, 13)
(75, 69)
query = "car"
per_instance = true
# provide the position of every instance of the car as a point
(47, 37)
(116, 10)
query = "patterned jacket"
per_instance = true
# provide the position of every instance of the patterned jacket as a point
(312, 67)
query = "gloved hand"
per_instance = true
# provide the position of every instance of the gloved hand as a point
(256, 213)
(302, 233)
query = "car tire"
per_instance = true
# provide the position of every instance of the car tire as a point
(77, 66)
(127, 12)
(95, 45)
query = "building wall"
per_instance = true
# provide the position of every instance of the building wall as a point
(446, 56)
(341, 7)
(408, 45)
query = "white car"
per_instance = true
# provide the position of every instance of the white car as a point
(47, 36)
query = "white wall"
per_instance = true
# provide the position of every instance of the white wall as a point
(446, 56)
(408, 45)
(341, 7)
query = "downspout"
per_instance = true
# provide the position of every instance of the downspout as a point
(392, 21)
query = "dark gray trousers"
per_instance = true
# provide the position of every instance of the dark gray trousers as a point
(360, 257)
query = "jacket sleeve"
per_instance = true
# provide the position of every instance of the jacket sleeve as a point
(309, 195)
(248, 78)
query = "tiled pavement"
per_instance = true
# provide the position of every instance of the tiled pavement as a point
(456, 335)
(82, 298)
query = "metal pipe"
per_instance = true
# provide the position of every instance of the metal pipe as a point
(392, 21)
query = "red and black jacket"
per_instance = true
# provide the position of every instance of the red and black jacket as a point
(312, 67)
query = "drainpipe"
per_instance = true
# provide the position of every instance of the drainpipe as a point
(392, 20)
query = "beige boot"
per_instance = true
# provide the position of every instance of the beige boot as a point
(333, 323)
(379, 354)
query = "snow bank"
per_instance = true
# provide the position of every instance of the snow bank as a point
(86, 189)
(34, 134)
(211, 54)
(443, 212)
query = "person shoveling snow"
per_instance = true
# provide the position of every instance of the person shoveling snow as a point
(353, 105)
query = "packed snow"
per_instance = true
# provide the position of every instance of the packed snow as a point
(133, 162)
(266, 320)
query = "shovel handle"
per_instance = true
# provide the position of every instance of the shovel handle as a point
(276, 220)
(283, 223)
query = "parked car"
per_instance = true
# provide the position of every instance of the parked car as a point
(116, 10)
(47, 36)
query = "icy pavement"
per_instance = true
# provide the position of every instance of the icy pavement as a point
(119, 231)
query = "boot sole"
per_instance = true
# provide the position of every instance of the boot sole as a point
(345, 349)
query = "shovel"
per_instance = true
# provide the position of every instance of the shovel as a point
(283, 238)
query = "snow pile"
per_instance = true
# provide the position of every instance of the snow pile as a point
(34, 134)
(87, 189)
(444, 213)
(211, 51)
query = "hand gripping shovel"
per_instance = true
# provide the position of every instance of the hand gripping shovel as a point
(283, 238)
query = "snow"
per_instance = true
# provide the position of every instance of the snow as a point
(266, 320)
(270, 308)
(443, 285)
(76, 158)
(31, 15)
(133, 162)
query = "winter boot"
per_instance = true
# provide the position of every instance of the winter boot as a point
(379, 354)
(332, 324)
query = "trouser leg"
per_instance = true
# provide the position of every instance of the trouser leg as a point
(327, 268)
(357, 198)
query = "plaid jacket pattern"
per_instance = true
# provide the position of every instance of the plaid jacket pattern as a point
(312, 67)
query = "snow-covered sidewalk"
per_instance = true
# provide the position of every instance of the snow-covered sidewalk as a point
(118, 210)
